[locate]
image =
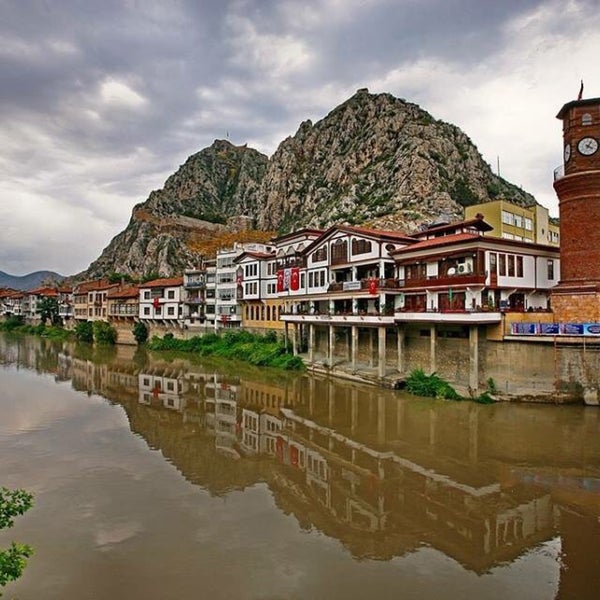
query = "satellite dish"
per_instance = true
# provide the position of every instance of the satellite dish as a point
(451, 271)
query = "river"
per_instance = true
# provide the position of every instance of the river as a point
(159, 477)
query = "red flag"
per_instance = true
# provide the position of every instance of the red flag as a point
(373, 286)
(580, 95)
(280, 281)
(295, 280)
(156, 302)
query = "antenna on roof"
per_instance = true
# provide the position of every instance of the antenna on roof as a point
(498, 165)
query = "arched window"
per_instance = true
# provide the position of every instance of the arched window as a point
(586, 119)
(268, 313)
(262, 313)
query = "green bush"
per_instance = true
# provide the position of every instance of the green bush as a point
(84, 331)
(431, 386)
(258, 350)
(104, 332)
(140, 333)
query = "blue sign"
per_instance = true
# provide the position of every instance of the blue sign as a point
(524, 328)
(549, 328)
(572, 329)
(591, 329)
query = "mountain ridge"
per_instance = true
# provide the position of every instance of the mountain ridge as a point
(375, 160)
(29, 281)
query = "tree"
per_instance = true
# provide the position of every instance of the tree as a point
(140, 332)
(104, 332)
(13, 560)
(84, 332)
(49, 311)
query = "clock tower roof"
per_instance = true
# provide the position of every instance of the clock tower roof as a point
(576, 103)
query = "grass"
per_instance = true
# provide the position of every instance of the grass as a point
(48, 331)
(433, 386)
(258, 350)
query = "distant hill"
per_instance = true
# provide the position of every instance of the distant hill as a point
(30, 281)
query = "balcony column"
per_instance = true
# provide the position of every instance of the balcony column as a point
(295, 339)
(432, 344)
(331, 307)
(311, 343)
(354, 347)
(382, 351)
(331, 344)
(353, 270)
(474, 357)
(401, 338)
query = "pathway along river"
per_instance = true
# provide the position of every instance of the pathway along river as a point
(171, 479)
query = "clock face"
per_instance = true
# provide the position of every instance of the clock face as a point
(587, 146)
(567, 152)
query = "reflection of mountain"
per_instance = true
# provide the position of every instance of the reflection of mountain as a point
(383, 474)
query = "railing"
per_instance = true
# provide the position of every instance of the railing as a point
(365, 284)
(446, 280)
(193, 285)
(118, 310)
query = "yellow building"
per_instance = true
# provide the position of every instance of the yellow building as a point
(512, 222)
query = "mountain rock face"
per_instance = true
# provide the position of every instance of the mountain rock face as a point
(378, 160)
(375, 160)
(210, 194)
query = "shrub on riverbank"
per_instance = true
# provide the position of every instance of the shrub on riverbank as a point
(433, 386)
(259, 350)
(16, 325)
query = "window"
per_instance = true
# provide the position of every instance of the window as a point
(586, 119)
(528, 224)
(171, 311)
(519, 266)
(361, 246)
(502, 265)
(339, 251)
(302, 281)
(320, 254)
(171, 294)
(493, 262)
(550, 269)
(146, 311)
(507, 218)
(511, 265)
(147, 295)
(158, 310)
(518, 221)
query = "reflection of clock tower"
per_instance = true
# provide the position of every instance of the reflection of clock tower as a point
(577, 297)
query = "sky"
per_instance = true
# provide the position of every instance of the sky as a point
(101, 101)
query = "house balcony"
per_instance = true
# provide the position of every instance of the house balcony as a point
(364, 285)
(360, 320)
(460, 317)
(445, 281)
(194, 285)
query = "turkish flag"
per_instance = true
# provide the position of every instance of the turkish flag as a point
(295, 280)
(280, 281)
(373, 286)
(156, 302)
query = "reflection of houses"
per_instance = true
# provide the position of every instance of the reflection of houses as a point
(221, 413)
(159, 389)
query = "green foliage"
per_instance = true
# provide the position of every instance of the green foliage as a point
(48, 309)
(492, 388)
(140, 333)
(11, 323)
(104, 332)
(116, 277)
(13, 503)
(431, 386)
(150, 276)
(259, 350)
(84, 331)
(484, 398)
(463, 194)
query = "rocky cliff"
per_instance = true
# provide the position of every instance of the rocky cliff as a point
(375, 160)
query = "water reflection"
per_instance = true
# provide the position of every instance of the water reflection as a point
(382, 473)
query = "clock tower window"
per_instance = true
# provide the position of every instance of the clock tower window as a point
(586, 119)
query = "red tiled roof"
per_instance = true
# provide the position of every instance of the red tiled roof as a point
(165, 282)
(43, 291)
(127, 292)
(90, 286)
(444, 240)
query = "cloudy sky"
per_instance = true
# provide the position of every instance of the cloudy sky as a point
(101, 101)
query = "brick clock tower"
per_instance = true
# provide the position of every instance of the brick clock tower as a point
(577, 296)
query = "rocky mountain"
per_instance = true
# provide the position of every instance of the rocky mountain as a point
(214, 192)
(375, 160)
(29, 281)
(379, 160)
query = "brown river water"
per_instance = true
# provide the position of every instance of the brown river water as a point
(158, 477)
